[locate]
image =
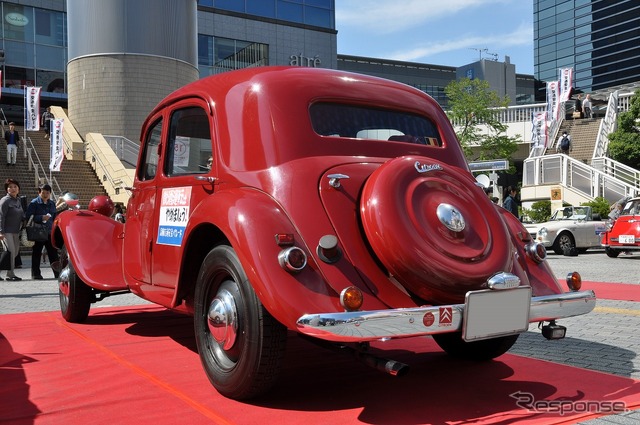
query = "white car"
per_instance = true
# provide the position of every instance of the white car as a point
(569, 226)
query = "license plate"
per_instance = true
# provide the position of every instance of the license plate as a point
(627, 239)
(492, 313)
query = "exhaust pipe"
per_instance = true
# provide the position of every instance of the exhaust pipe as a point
(388, 366)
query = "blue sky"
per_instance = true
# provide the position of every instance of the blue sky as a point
(439, 32)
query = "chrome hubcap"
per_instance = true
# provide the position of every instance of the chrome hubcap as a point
(450, 217)
(222, 319)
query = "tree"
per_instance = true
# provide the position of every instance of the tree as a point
(471, 103)
(624, 143)
(540, 211)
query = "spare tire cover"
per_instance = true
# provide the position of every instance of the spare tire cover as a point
(433, 228)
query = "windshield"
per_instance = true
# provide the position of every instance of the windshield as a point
(631, 208)
(570, 213)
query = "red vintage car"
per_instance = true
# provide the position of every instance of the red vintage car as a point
(333, 204)
(623, 234)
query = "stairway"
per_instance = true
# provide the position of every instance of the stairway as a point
(76, 176)
(583, 137)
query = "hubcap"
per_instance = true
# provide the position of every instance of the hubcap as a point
(64, 282)
(450, 217)
(222, 319)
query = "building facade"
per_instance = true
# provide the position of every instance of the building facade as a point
(600, 39)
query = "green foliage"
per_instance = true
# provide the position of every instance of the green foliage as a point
(599, 206)
(624, 143)
(471, 103)
(540, 211)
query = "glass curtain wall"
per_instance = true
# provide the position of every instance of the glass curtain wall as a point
(600, 39)
(34, 42)
(319, 13)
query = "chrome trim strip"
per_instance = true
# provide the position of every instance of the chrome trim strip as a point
(361, 326)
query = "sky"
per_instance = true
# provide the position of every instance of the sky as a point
(438, 32)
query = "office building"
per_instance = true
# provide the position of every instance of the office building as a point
(600, 39)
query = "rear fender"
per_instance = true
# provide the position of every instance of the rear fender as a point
(538, 275)
(94, 244)
(251, 221)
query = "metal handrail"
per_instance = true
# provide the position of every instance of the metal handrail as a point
(607, 126)
(580, 177)
(106, 176)
(36, 165)
(125, 149)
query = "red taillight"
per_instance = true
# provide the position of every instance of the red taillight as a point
(292, 259)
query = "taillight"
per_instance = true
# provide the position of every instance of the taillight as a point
(292, 259)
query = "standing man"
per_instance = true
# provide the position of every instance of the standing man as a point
(586, 106)
(43, 210)
(47, 116)
(511, 202)
(12, 137)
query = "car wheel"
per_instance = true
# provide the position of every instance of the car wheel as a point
(75, 295)
(241, 345)
(486, 349)
(564, 240)
(612, 253)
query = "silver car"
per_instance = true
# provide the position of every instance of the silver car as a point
(569, 227)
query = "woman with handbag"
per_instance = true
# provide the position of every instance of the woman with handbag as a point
(11, 216)
(41, 211)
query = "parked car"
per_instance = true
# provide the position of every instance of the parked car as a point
(623, 234)
(569, 227)
(336, 205)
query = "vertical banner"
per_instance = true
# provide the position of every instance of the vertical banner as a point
(33, 108)
(566, 83)
(539, 129)
(553, 100)
(57, 150)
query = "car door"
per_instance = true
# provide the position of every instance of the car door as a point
(140, 210)
(186, 178)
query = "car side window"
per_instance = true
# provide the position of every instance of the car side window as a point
(149, 167)
(189, 148)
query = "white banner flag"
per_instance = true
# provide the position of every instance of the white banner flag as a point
(57, 149)
(566, 83)
(539, 129)
(32, 95)
(553, 100)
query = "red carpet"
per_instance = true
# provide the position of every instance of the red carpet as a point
(612, 291)
(139, 366)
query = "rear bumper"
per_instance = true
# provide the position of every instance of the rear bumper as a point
(361, 326)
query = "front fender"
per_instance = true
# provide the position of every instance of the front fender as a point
(94, 244)
(250, 219)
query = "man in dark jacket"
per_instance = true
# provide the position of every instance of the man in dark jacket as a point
(12, 137)
(511, 203)
(43, 210)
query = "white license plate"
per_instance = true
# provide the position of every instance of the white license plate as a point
(627, 239)
(492, 313)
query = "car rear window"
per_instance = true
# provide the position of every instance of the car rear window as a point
(339, 120)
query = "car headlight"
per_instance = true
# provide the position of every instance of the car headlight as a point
(542, 232)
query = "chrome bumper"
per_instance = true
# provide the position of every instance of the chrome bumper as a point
(360, 326)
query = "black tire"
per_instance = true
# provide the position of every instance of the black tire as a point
(486, 349)
(242, 355)
(75, 295)
(564, 239)
(611, 253)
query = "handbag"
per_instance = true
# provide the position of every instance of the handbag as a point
(23, 239)
(36, 232)
(5, 257)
